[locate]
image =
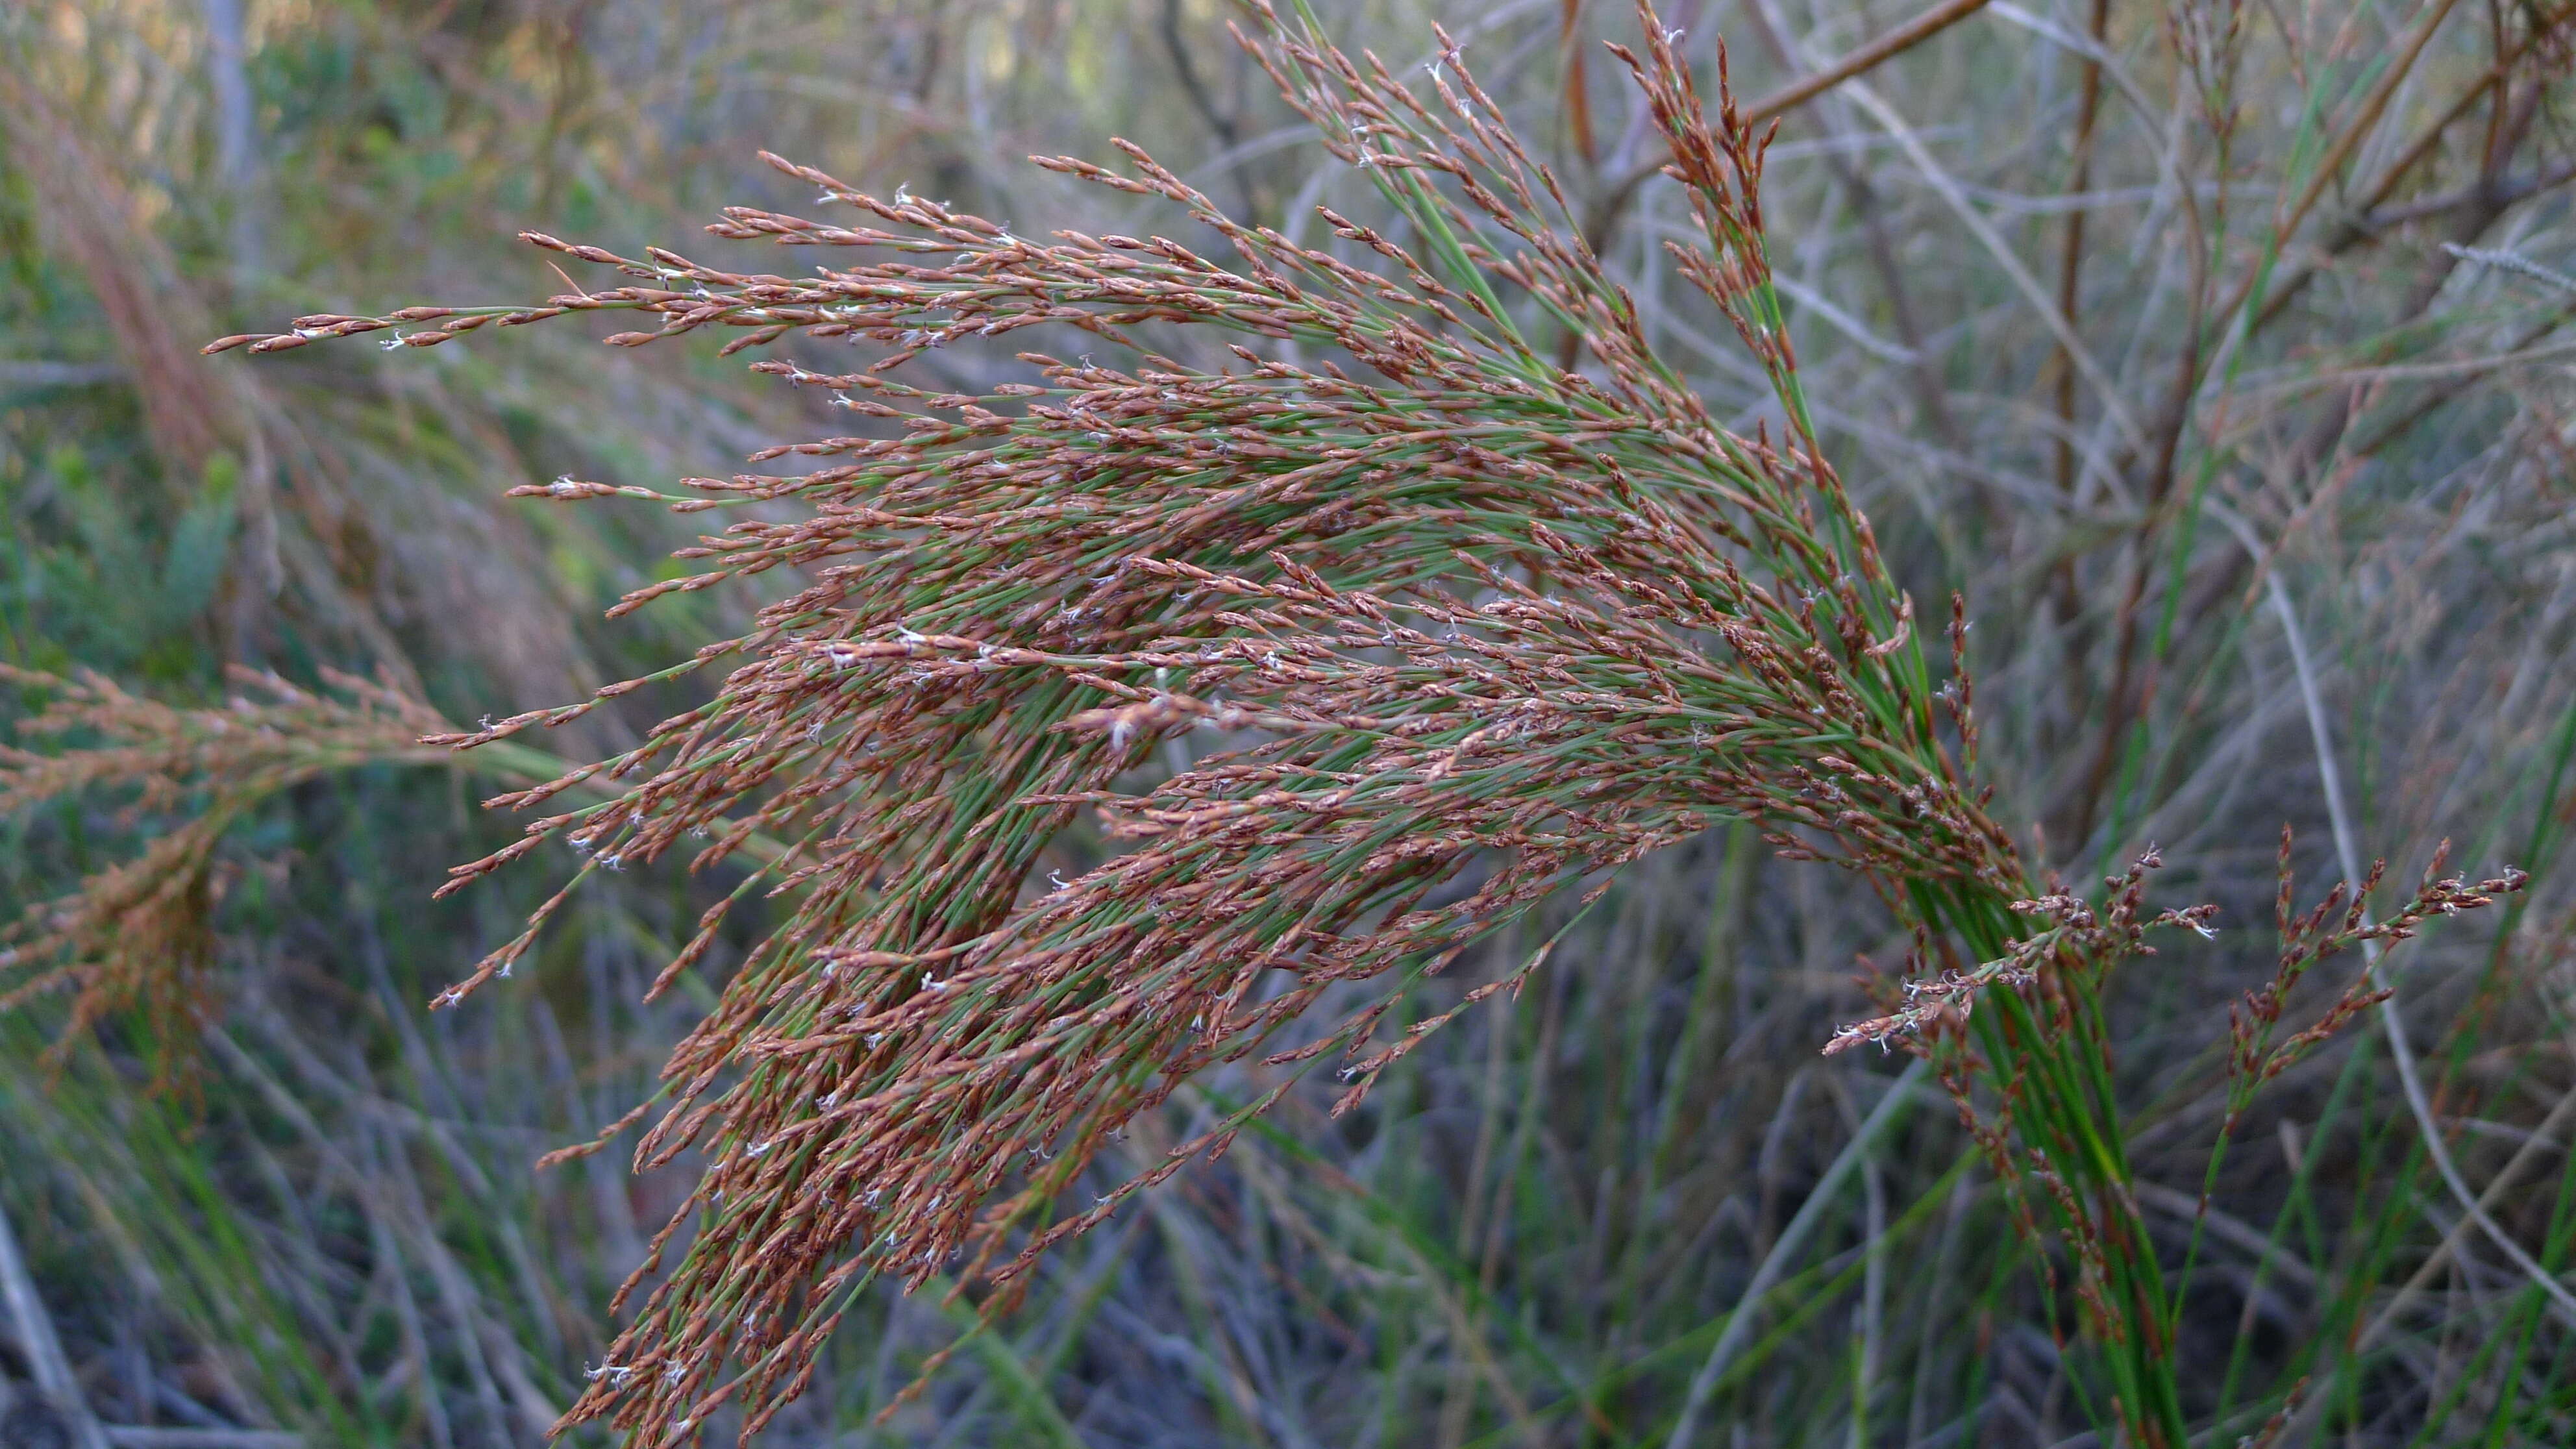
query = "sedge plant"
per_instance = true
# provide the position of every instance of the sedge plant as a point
(1471, 601)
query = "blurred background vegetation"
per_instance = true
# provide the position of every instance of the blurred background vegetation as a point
(2215, 351)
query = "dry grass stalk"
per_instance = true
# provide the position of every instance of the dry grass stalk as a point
(140, 932)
